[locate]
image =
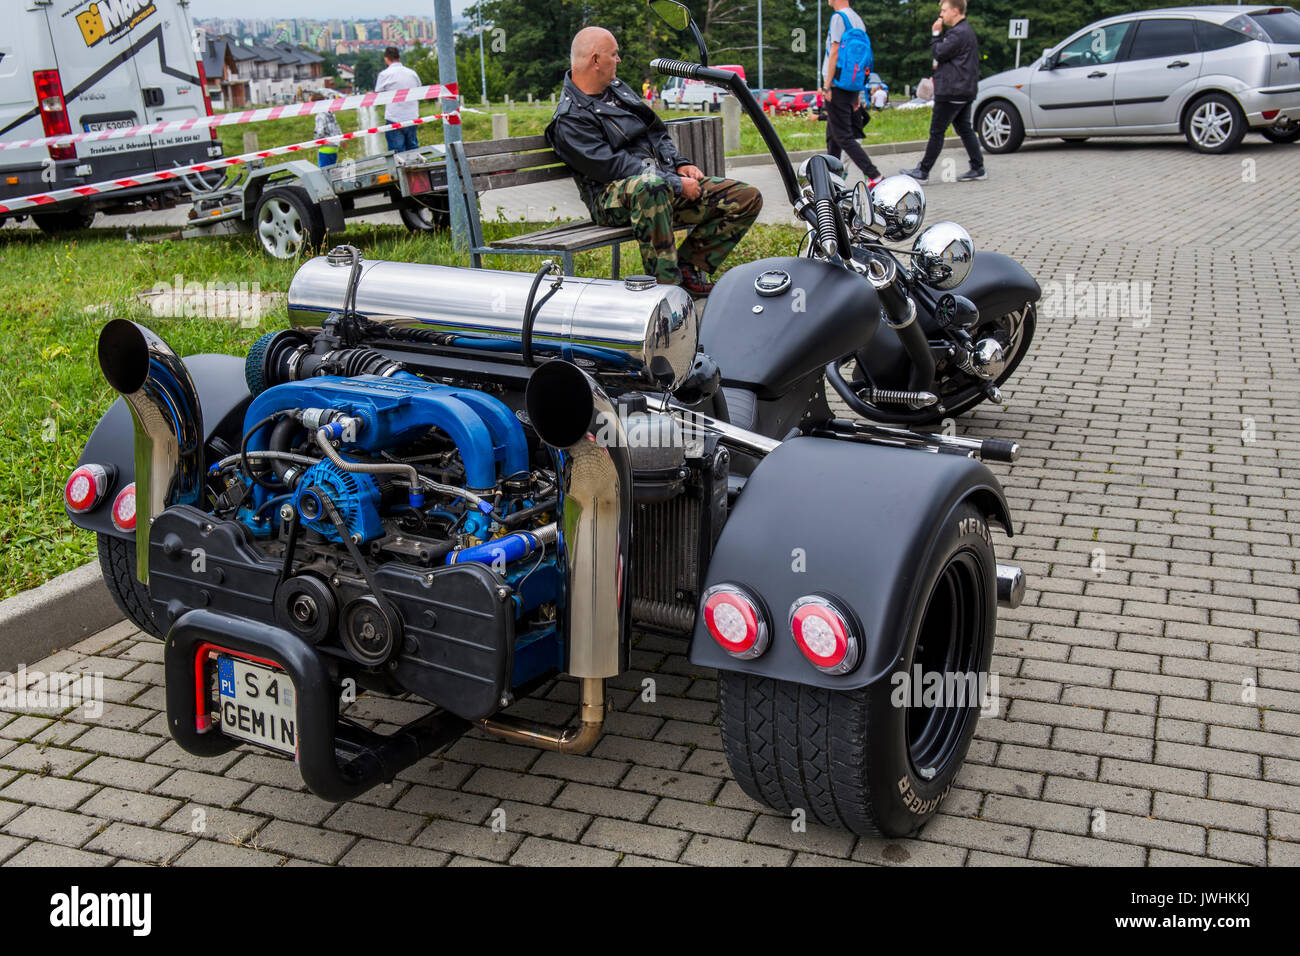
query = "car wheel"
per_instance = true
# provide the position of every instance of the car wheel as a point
(58, 223)
(999, 127)
(877, 760)
(287, 222)
(1283, 131)
(1215, 124)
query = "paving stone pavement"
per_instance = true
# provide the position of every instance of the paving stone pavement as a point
(1150, 682)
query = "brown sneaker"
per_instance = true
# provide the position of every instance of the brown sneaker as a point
(695, 282)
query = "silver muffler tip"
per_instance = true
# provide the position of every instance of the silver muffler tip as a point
(167, 420)
(1011, 586)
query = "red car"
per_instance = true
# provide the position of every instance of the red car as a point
(773, 97)
(799, 101)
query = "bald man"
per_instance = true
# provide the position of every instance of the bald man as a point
(630, 174)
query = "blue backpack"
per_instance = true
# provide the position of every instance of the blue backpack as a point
(854, 62)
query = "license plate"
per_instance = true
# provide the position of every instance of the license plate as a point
(108, 124)
(257, 704)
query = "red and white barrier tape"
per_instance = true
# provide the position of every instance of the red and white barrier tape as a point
(45, 199)
(414, 94)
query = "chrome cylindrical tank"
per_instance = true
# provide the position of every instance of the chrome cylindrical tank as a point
(648, 333)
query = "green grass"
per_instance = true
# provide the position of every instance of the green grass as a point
(796, 133)
(58, 293)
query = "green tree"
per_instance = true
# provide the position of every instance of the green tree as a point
(367, 68)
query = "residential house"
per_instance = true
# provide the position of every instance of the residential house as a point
(227, 69)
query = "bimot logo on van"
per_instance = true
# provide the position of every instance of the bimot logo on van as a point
(108, 18)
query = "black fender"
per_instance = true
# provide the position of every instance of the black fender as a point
(223, 396)
(861, 522)
(997, 284)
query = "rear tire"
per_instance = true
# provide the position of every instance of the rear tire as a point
(287, 223)
(999, 127)
(854, 759)
(60, 223)
(1288, 132)
(117, 562)
(1215, 124)
(417, 217)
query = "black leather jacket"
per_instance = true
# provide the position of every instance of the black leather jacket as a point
(958, 54)
(602, 142)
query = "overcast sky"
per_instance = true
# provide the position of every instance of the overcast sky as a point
(318, 9)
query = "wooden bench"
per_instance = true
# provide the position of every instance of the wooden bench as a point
(523, 160)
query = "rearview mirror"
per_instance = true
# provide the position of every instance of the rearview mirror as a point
(1049, 61)
(671, 12)
(862, 205)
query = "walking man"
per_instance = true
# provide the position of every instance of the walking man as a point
(395, 76)
(956, 81)
(629, 173)
(844, 75)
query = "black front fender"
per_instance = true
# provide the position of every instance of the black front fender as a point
(223, 396)
(998, 284)
(857, 522)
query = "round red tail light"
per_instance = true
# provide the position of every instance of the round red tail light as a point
(124, 509)
(85, 488)
(736, 621)
(824, 634)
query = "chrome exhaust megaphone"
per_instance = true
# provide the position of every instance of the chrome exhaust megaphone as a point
(168, 419)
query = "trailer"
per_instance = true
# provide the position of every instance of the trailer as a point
(293, 206)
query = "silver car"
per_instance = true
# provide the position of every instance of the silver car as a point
(1210, 73)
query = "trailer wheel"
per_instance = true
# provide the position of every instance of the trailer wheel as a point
(868, 760)
(287, 222)
(418, 217)
(58, 223)
(117, 562)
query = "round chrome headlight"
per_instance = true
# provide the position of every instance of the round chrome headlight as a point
(898, 203)
(944, 255)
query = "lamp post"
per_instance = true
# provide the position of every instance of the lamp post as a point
(761, 84)
(819, 36)
(482, 64)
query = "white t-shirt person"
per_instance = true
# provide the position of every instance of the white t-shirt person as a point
(836, 33)
(879, 97)
(399, 77)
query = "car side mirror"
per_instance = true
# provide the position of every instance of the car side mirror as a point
(1049, 61)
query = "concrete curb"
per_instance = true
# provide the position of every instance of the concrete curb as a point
(55, 615)
(879, 149)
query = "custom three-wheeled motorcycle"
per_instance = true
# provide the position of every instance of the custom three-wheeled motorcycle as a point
(458, 484)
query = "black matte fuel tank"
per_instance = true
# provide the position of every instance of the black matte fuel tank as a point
(817, 312)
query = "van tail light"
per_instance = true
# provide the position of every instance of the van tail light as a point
(54, 111)
(824, 634)
(85, 488)
(124, 509)
(207, 100)
(736, 621)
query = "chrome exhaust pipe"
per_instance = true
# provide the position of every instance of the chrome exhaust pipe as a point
(168, 419)
(574, 416)
(1011, 586)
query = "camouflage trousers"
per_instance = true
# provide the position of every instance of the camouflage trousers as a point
(721, 214)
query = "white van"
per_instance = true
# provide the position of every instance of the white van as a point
(680, 93)
(81, 65)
